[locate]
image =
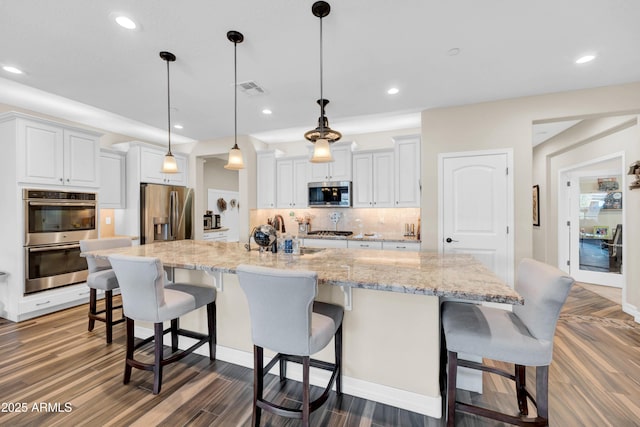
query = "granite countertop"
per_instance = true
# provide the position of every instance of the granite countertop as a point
(423, 273)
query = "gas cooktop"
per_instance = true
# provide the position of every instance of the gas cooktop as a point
(329, 233)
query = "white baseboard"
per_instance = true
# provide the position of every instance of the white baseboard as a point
(425, 405)
(631, 310)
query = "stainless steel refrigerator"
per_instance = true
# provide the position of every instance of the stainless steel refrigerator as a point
(165, 213)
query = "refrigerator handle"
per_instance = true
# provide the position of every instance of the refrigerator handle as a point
(173, 214)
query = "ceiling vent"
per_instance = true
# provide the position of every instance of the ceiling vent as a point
(251, 88)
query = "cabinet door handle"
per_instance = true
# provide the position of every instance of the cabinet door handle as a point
(401, 247)
(61, 180)
(43, 303)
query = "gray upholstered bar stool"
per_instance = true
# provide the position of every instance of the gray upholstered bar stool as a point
(523, 337)
(101, 277)
(146, 298)
(286, 319)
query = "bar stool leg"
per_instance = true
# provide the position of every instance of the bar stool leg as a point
(283, 369)
(108, 306)
(130, 348)
(92, 308)
(157, 365)
(258, 383)
(338, 346)
(211, 324)
(175, 324)
(305, 391)
(521, 383)
(542, 392)
(452, 373)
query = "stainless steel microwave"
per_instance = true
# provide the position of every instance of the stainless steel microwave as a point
(330, 194)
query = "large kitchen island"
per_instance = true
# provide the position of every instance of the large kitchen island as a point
(392, 300)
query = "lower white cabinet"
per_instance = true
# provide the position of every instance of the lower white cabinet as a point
(357, 244)
(401, 246)
(324, 243)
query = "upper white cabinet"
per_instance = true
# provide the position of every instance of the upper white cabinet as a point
(373, 179)
(292, 175)
(112, 180)
(407, 166)
(266, 180)
(151, 168)
(338, 170)
(50, 153)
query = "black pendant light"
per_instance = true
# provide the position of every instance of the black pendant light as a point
(323, 135)
(235, 155)
(169, 164)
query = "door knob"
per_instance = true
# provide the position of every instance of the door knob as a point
(449, 240)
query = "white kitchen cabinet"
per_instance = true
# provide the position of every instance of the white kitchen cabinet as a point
(373, 179)
(151, 168)
(359, 244)
(324, 243)
(338, 170)
(50, 153)
(407, 176)
(112, 180)
(292, 176)
(401, 246)
(266, 180)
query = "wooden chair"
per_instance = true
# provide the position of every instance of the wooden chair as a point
(101, 277)
(523, 337)
(286, 319)
(146, 297)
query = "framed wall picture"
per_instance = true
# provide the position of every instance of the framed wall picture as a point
(536, 206)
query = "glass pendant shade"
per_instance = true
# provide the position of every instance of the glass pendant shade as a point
(321, 152)
(235, 159)
(169, 165)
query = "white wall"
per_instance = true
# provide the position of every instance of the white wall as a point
(216, 176)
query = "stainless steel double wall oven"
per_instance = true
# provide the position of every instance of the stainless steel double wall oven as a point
(55, 222)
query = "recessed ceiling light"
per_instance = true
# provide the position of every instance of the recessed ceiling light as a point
(453, 51)
(178, 126)
(584, 59)
(13, 70)
(393, 91)
(267, 111)
(126, 22)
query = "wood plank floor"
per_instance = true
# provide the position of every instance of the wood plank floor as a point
(594, 379)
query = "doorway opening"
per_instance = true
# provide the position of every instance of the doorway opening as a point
(593, 202)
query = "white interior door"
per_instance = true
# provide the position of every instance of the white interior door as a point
(477, 210)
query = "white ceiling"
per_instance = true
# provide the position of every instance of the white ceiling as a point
(73, 49)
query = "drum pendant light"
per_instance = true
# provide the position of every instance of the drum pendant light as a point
(323, 135)
(169, 164)
(235, 155)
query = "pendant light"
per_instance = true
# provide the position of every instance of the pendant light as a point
(235, 155)
(323, 135)
(169, 164)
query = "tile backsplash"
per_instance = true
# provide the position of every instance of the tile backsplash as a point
(385, 223)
